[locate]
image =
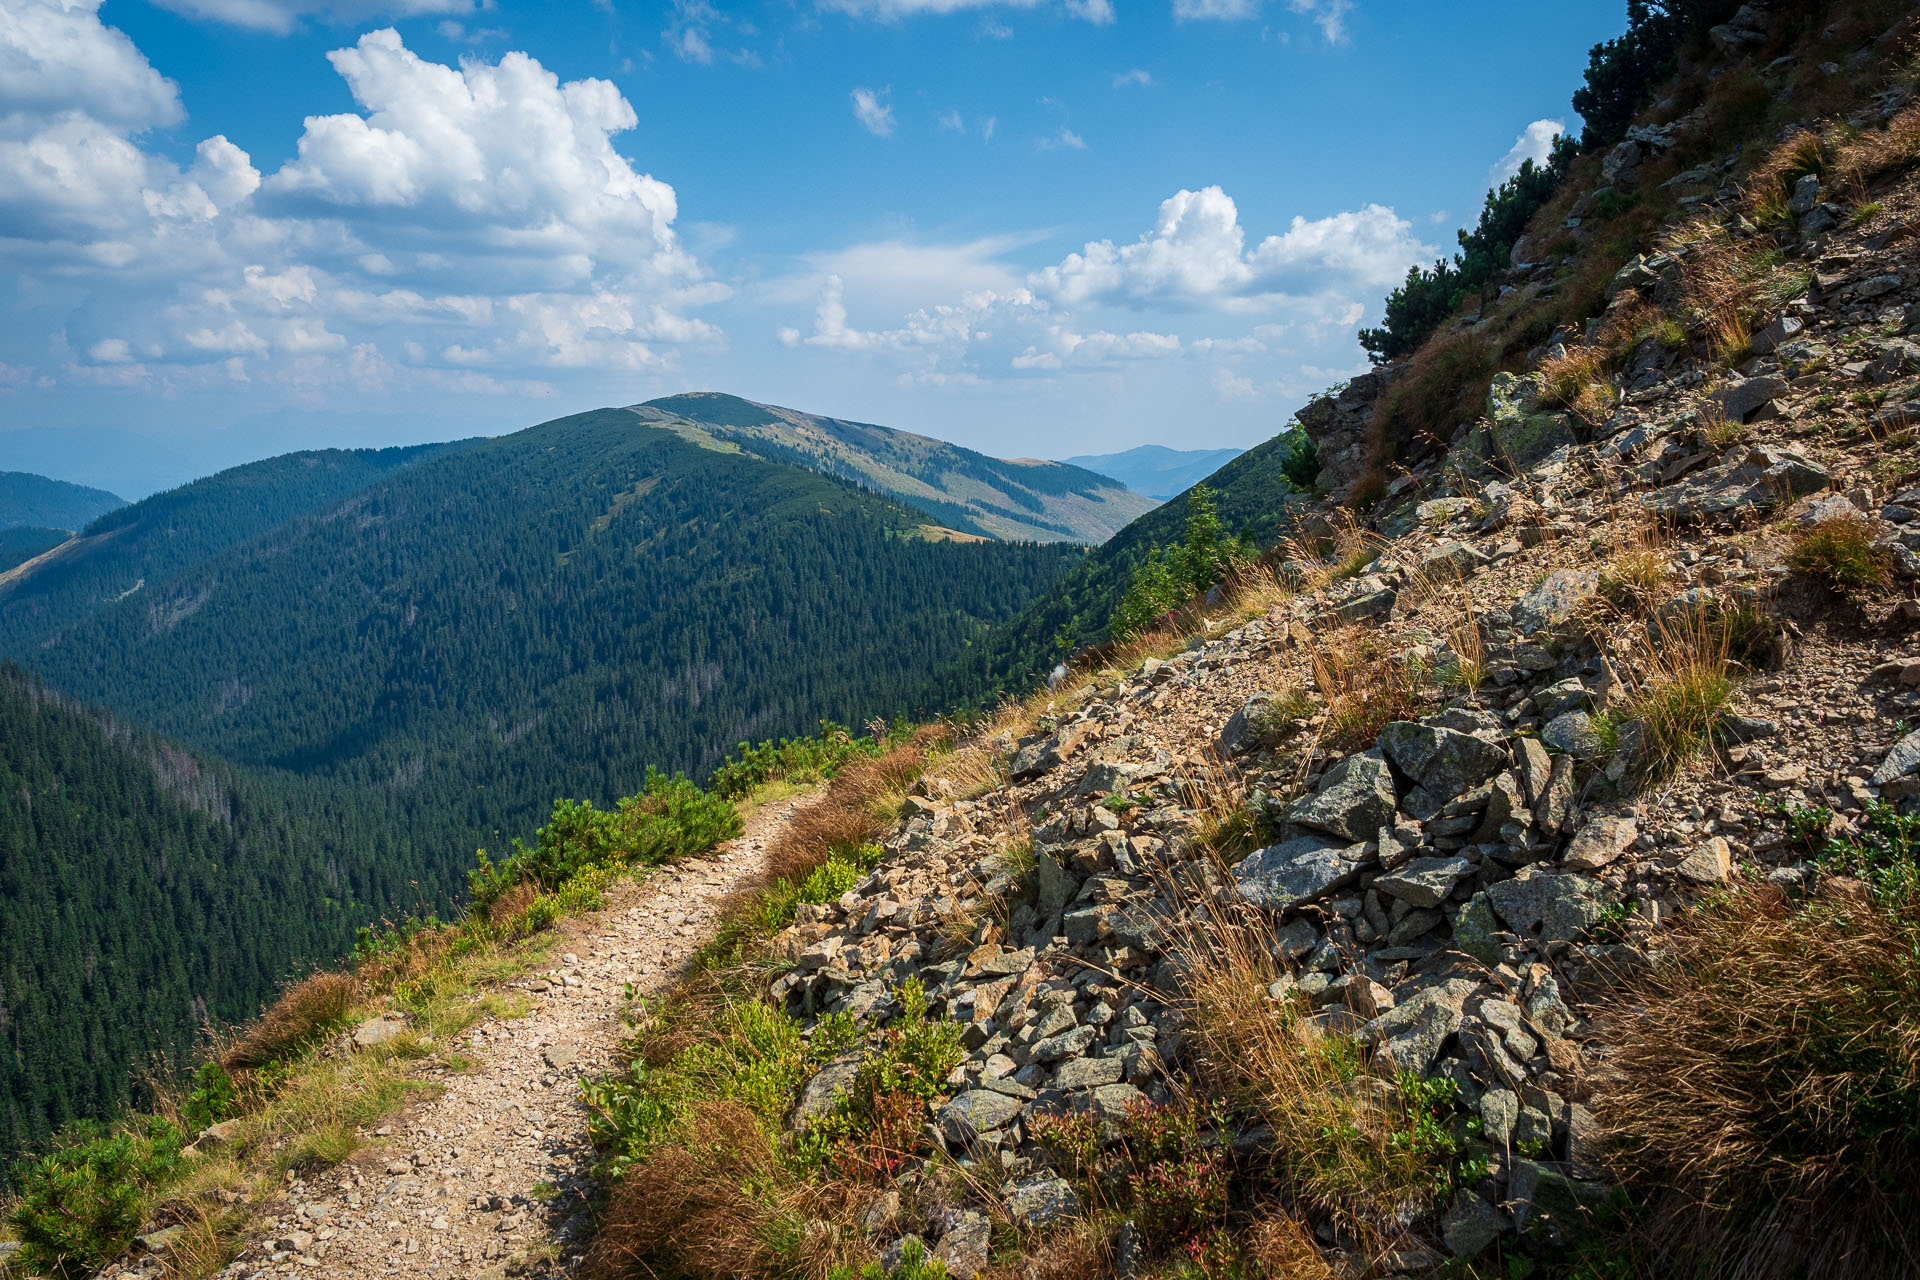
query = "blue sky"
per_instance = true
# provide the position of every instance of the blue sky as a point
(1041, 228)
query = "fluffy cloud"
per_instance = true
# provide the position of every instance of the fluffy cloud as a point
(357, 262)
(1196, 256)
(1329, 15)
(1535, 143)
(876, 115)
(55, 54)
(281, 16)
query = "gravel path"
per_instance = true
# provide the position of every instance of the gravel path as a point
(491, 1177)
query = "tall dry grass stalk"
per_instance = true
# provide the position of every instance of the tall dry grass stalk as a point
(1686, 681)
(1363, 685)
(1765, 1081)
(309, 1008)
(1340, 1131)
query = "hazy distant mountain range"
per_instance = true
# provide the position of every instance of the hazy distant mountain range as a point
(1155, 470)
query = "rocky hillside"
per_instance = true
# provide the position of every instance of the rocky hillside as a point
(1339, 940)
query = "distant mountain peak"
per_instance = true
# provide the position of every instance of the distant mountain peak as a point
(1023, 499)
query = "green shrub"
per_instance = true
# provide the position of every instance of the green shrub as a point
(1170, 576)
(212, 1100)
(790, 759)
(1840, 552)
(1302, 464)
(914, 1265)
(79, 1206)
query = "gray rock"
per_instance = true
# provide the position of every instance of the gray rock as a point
(1551, 907)
(1451, 562)
(1554, 600)
(1806, 194)
(1554, 809)
(1088, 1073)
(1600, 842)
(1521, 431)
(1364, 608)
(1041, 1200)
(1259, 722)
(1741, 398)
(1572, 733)
(378, 1031)
(1408, 1036)
(826, 1087)
(907, 1251)
(1298, 871)
(965, 1248)
(975, 1112)
(1054, 887)
(1759, 479)
(1499, 1112)
(1471, 1225)
(1777, 335)
(1476, 928)
(1067, 1044)
(1876, 286)
(1443, 763)
(1425, 882)
(1354, 799)
(1901, 760)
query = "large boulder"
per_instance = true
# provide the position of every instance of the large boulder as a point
(1741, 398)
(1757, 479)
(1443, 763)
(1522, 431)
(1424, 882)
(1354, 800)
(1551, 907)
(975, 1112)
(1297, 871)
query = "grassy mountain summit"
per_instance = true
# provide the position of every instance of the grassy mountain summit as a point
(1011, 500)
(28, 499)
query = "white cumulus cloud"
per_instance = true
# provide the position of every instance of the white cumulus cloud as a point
(55, 54)
(1215, 10)
(1535, 143)
(281, 16)
(1196, 255)
(876, 115)
(1329, 15)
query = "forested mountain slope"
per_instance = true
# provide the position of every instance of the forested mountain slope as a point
(545, 613)
(145, 890)
(27, 499)
(162, 537)
(961, 489)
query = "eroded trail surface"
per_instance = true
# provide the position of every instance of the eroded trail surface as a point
(494, 1173)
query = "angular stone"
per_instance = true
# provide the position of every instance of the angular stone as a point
(1600, 842)
(1088, 1073)
(1572, 733)
(1901, 760)
(1521, 431)
(1451, 562)
(1067, 1044)
(1443, 763)
(1551, 907)
(1354, 799)
(1041, 756)
(1741, 398)
(975, 1112)
(1711, 863)
(1554, 601)
(826, 1087)
(1408, 1036)
(1777, 335)
(1471, 1225)
(1040, 1200)
(1474, 929)
(1297, 871)
(1552, 811)
(965, 1249)
(378, 1031)
(1259, 722)
(1364, 608)
(1425, 882)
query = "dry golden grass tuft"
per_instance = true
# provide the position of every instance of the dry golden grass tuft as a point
(1342, 1133)
(1363, 685)
(1840, 552)
(1576, 380)
(1686, 682)
(308, 1009)
(723, 1203)
(1765, 1078)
